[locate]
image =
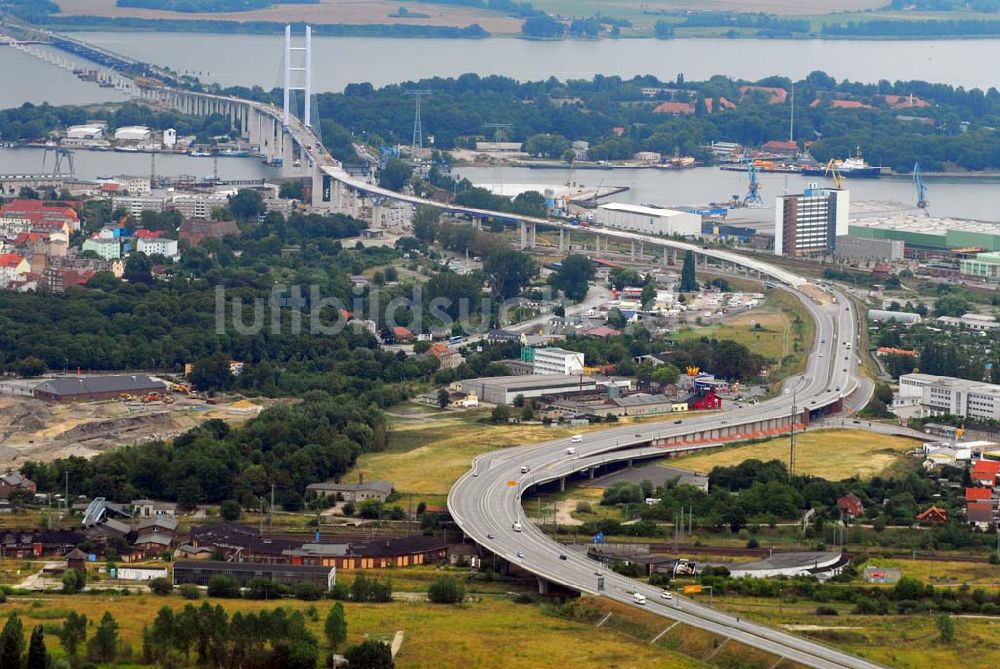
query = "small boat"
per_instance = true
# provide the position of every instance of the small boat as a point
(854, 167)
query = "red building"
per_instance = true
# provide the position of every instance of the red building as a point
(850, 505)
(705, 402)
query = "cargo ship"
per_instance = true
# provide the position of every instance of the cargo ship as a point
(854, 167)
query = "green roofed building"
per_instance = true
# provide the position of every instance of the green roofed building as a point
(928, 233)
(985, 267)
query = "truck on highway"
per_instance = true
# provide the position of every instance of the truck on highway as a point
(639, 599)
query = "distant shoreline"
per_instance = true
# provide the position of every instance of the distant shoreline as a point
(448, 32)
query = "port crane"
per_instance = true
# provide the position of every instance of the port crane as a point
(752, 199)
(834, 173)
(918, 181)
(59, 153)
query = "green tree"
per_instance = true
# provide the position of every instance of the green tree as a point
(104, 645)
(335, 627)
(37, 657)
(446, 590)
(425, 223)
(689, 283)
(161, 586)
(395, 174)
(443, 398)
(247, 205)
(12, 642)
(212, 373)
(666, 374)
(73, 632)
(29, 367)
(370, 654)
(223, 586)
(574, 276)
(139, 269)
(951, 305)
(230, 510)
(508, 272)
(73, 581)
(500, 414)
(946, 627)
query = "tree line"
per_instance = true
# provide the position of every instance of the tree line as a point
(210, 6)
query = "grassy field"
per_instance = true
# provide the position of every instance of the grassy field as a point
(830, 454)
(909, 641)
(943, 574)
(772, 339)
(784, 337)
(425, 457)
(493, 632)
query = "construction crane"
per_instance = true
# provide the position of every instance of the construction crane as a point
(918, 181)
(752, 199)
(59, 153)
(834, 173)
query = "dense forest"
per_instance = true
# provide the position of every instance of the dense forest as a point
(982, 6)
(957, 127)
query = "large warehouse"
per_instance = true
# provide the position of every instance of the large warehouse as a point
(925, 233)
(200, 572)
(503, 389)
(649, 220)
(90, 388)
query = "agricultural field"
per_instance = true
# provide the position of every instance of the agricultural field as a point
(829, 454)
(531, 638)
(325, 11)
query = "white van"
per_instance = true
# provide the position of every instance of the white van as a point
(576, 438)
(525, 469)
(516, 526)
(570, 451)
(639, 599)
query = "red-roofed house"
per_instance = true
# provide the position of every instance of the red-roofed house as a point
(781, 146)
(905, 101)
(403, 334)
(979, 514)
(848, 104)
(675, 108)
(13, 269)
(723, 104)
(43, 215)
(978, 494)
(602, 331)
(56, 280)
(889, 350)
(934, 514)
(110, 187)
(850, 505)
(143, 233)
(984, 472)
(776, 96)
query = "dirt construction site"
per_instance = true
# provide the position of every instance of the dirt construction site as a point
(32, 429)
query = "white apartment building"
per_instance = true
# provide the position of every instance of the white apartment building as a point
(809, 223)
(157, 246)
(958, 397)
(199, 206)
(557, 361)
(911, 386)
(136, 204)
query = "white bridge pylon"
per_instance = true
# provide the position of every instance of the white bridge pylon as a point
(303, 68)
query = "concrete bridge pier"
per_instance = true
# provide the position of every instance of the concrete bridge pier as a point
(590, 472)
(523, 232)
(633, 251)
(543, 586)
(642, 250)
(562, 240)
(562, 484)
